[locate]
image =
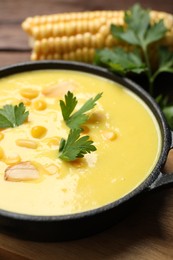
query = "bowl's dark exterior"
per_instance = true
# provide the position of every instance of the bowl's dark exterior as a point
(51, 228)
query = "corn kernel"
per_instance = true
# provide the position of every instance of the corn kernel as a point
(51, 43)
(109, 41)
(65, 56)
(70, 29)
(1, 153)
(55, 140)
(34, 56)
(37, 46)
(91, 54)
(45, 29)
(29, 93)
(57, 45)
(109, 135)
(78, 54)
(85, 54)
(99, 40)
(57, 56)
(61, 28)
(26, 102)
(72, 42)
(40, 104)
(104, 30)
(27, 143)
(36, 32)
(52, 169)
(44, 45)
(14, 159)
(79, 40)
(71, 55)
(38, 131)
(85, 129)
(79, 163)
(87, 39)
(1, 136)
(84, 26)
(96, 117)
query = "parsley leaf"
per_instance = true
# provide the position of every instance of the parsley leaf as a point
(68, 106)
(79, 117)
(165, 60)
(120, 61)
(75, 146)
(168, 113)
(13, 116)
(139, 31)
(167, 108)
(155, 32)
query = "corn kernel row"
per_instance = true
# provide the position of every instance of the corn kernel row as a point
(75, 36)
(31, 22)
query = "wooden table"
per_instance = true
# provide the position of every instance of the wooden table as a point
(147, 233)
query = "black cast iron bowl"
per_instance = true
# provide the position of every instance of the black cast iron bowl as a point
(72, 226)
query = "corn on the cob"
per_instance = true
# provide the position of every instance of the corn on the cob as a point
(75, 36)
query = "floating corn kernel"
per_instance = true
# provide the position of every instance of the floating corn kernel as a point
(27, 143)
(79, 163)
(52, 169)
(23, 171)
(29, 93)
(55, 140)
(96, 117)
(59, 90)
(67, 35)
(10, 160)
(109, 135)
(1, 153)
(26, 102)
(40, 104)
(1, 136)
(85, 129)
(38, 131)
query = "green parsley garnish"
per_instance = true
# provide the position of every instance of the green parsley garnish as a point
(78, 118)
(140, 34)
(13, 116)
(75, 146)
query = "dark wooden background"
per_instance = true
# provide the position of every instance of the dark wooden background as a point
(147, 233)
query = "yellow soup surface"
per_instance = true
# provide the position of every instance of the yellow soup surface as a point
(123, 128)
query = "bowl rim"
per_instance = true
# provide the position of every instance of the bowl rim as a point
(125, 82)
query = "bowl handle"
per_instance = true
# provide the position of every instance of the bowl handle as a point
(164, 179)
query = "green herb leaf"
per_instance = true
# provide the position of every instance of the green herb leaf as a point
(13, 116)
(138, 30)
(68, 106)
(75, 146)
(165, 104)
(162, 101)
(78, 118)
(168, 112)
(120, 61)
(166, 60)
(155, 32)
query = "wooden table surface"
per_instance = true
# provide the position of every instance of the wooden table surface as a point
(147, 233)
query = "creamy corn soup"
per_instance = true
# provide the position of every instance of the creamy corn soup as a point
(122, 127)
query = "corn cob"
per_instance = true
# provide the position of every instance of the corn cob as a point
(76, 36)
